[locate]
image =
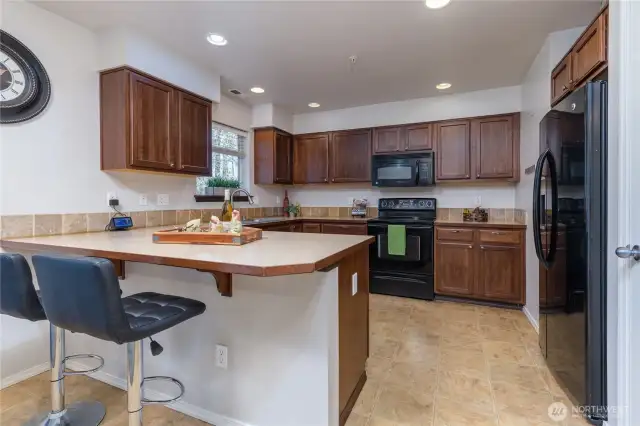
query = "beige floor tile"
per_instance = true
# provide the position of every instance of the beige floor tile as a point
(497, 352)
(356, 419)
(501, 334)
(516, 374)
(460, 329)
(378, 368)
(427, 320)
(458, 413)
(518, 400)
(469, 388)
(418, 377)
(509, 419)
(533, 348)
(398, 315)
(377, 421)
(367, 398)
(465, 359)
(418, 352)
(396, 404)
(491, 318)
(550, 382)
(462, 341)
(391, 331)
(420, 334)
(383, 347)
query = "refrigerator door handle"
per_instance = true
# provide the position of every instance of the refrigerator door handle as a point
(554, 209)
(537, 232)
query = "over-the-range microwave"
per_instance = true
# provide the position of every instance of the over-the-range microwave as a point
(403, 170)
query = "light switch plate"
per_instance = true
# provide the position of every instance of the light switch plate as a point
(143, 200)
(354, 284)
(163, 199)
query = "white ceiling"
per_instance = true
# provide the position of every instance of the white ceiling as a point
(298, 50)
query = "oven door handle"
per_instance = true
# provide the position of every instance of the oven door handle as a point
(417, 172)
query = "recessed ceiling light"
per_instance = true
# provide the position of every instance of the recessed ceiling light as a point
(443, 86)
(216, 39)
(437, 4)
(257, 89)
(314, 105)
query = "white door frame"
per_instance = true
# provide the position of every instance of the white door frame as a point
(624, 128)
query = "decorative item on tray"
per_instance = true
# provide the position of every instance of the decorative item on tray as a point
(218, 232)
(359, 207)
(475, 215)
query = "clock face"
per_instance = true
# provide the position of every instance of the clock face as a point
(24, 84)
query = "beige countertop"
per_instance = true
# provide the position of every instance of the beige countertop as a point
(278, 253)
(489, 224)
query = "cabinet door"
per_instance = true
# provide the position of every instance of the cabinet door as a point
(344, 228)
(387, 139)
(152, 121)
(453, 145)
(589, 52)
(455, 269)
(283, 151)
(500, 270)
(418, 137)
(279, 228)
(194, 134)
(493, 142)
(296, 227)
(311, 158)
(561, 81)
(312, 228)
(350, 156)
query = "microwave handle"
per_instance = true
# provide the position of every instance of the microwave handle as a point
(417, 172)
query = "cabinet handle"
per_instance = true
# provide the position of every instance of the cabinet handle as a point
(470, 246)
(326, 180)
(564, 88)
(172, 164)
(481, 247)
(497, 233)
(478, 175)
(571, 81)
(397, 149)
(333, 180)
(454, 232)
(467, 175)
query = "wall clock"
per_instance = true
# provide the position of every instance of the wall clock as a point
(25, 88)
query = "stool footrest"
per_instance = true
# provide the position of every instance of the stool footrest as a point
(82, 356)
(177, 382)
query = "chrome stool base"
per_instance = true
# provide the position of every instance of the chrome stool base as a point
(84, 413)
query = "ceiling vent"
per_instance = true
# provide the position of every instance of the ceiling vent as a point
(235, 92)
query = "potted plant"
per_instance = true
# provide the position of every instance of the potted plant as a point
(217, 185)
(294, 209)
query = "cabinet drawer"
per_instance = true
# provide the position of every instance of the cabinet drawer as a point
(312, 228)
(454, 234)
(499, 236)
(348, 229)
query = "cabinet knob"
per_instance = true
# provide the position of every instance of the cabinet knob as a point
(497, 233)
(478, 175)
(571, 81)
(467, 175)
(454, 232)
(397, 149)
(333, 180)
(326, 180)
(172, 164)
(470, 246)
(564, 88)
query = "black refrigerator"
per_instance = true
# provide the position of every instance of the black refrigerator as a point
(569, 230)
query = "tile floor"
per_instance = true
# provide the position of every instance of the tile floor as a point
(453, 364)
(432, 364)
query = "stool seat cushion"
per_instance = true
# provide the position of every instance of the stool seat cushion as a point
(150, 313)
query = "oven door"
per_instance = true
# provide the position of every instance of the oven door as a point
(418, 258)
(394, 171)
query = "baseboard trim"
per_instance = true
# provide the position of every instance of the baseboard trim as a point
(180, 406)
(24, 375)
(344, 415)
(533, 322)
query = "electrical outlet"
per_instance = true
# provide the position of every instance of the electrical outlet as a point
(256, 200)
(277, 200)
(163, 200)
(143, 200)
(354, 284)
(221, 356)
(478, 200)
(350, 201)
(111, 196)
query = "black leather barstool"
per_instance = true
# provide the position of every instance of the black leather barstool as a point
(82, 294)
(19, 299)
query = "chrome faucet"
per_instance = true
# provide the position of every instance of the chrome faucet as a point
(242, 190)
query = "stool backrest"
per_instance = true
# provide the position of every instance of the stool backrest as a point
(18, 296)
(81, 294)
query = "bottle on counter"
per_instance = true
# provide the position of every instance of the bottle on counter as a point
(227, 208)
(285, 204)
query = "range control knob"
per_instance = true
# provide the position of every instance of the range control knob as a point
(422, 203)
(384, 203)
(391, 204)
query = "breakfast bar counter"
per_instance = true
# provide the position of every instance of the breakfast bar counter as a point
(295, 322)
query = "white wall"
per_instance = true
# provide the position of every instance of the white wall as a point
(484, 102)
(266, 115)
(536, 98)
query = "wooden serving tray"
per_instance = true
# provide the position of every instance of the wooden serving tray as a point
(174, 236)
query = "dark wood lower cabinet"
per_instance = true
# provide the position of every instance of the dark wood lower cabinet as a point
(335, 227)
(312, 228)
(489, 266)
(344, 228)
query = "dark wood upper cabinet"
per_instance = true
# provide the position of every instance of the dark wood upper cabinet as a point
(272, 156)
(454, 264)
(194, 134)
(397, 139)
(350, 156)
(589, 53)
(496, 145)
(387, 139)
(153, 107)
(500, 277)
(418, 137)
(453, 147)
(311, 158)
(561, 81)
(150, 125)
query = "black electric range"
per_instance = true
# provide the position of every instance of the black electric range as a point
(410, 275)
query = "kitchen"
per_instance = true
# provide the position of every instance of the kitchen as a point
(420, 163)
